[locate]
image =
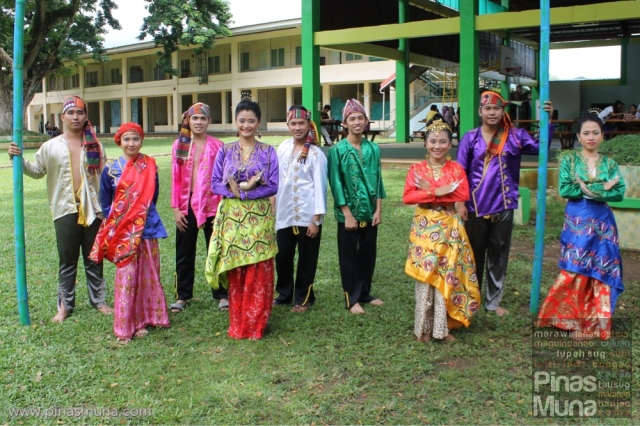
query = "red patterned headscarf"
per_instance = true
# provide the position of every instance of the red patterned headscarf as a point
(312, 136)
(500, 137)
(184, 140)
(93, 150)
(127, 128)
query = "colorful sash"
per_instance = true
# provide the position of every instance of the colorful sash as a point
(120, 234)
(243, 234)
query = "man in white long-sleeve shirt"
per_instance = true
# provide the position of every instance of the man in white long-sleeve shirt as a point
(301, 203)
(73, 163)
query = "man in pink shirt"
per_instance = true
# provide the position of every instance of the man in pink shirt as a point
(194, 204)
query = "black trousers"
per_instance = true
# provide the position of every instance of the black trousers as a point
(300, 291)
(186, 245)
(490, 239)
(357, 257)
(70, 238)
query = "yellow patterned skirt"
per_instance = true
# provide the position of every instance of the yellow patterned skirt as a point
(440, 256)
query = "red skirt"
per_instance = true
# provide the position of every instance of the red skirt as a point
(250, 299)
(577, 303)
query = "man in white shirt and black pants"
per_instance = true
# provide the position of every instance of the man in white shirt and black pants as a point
(300, 205)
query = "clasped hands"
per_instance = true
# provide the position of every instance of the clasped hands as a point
(606, 186)
(235, 187)
(439, 191)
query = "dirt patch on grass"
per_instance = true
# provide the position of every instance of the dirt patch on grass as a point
(551, 251)
(458, 364)
(327, 386)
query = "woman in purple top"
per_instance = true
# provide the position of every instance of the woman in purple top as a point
(243, 244)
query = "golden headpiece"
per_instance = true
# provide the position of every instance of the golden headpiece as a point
(437, 126)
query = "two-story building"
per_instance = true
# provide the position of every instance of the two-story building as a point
(262, 60)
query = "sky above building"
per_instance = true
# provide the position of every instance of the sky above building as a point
(565, 64)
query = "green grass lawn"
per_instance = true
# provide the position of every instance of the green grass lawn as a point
(322, 367)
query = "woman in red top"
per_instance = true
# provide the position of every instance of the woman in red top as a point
(440, 257)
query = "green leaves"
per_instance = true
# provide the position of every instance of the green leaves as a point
(174, 23)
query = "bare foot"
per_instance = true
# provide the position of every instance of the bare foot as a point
(105, 309)
(298, 309)
(356, 309)
(376, 302)
(501, 311)
(61, 315)
(424, 338)
(124, 341)
(449, 338)
(142, 333)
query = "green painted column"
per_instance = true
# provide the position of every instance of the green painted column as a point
(624, 58)
(469, 97)
(403, 130)
(311, 89)
(535, 90)
(504, 85)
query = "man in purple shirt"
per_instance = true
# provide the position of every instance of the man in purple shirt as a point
(490, 155)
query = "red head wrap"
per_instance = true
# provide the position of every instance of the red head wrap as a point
(500, 137)
(126, 128)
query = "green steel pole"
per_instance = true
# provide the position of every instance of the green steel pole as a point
(624, 60)
(311, 88)
(469, 97)
(505, 88)
(18, 188)
(543, 157)
(535, 90)
(402, 80)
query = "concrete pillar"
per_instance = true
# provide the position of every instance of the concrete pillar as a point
(45, 110)
(235, 61)
(177, 113)
(392, 104)
(124, 107)
(81, 81)
(326, 95)
(169, 114)
(367, 98)
(224, 109)
(101, 117)
(289, 96)
(145, 114)
(30, 119)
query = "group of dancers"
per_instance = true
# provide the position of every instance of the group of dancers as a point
(257, 206)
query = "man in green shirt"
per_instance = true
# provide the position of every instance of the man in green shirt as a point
(355, 177)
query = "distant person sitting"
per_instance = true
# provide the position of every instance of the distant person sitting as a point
(432, 112)
(325, 129)
(633, 110)
(615, 111)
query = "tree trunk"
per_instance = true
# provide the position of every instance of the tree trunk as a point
(6, 103)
